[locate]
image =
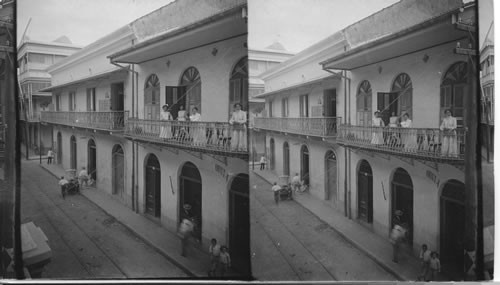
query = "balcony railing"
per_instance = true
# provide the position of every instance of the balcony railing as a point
(109, 121)
(30, 117)
(421, 143)
(211, 137)
(321, 127)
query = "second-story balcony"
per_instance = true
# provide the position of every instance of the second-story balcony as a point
(218, 138)
(429, 144)
(105, 121)
(32, 118)
(318, 127)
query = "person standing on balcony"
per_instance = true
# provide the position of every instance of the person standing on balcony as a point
(238, 122)
(378, 124)
(449, 134)
(166, 131)
(180, 132)
(50, 156)
(409, 136)
(197, 129)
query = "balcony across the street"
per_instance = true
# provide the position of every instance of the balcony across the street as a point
(218, 138)
(319, 127)
(430, 144)
(107, 121)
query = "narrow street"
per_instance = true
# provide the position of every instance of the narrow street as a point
(290, 243)
(85, 241)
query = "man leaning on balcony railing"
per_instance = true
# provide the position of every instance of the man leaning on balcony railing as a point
(238, 122)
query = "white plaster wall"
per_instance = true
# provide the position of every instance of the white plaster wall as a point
(215, 72)
(426, 195)
(215, 207)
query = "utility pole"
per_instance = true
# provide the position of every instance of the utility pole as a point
(473, 235)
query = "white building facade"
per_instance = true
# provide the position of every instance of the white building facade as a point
(156, 167)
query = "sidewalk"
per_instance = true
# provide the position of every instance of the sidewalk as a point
(197, 262)
(375, 247)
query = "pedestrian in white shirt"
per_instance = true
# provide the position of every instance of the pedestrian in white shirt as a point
(225, 260)
(276, 190)
(262, 162)
(83, 176)
(296, 183)
(214, 251)
(63, 183)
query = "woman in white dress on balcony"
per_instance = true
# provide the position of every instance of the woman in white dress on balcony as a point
(166, 130)
(409, 137)
(238, 123)
(197, 130)
(377, 133)
(449, 134)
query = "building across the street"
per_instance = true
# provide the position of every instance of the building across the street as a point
(487, 61)
(34, 57)
(321, 104)
(110, 115)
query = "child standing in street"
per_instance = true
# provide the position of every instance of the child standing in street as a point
(425, 258)
(225, 260)
(214, 251)
(434, 265)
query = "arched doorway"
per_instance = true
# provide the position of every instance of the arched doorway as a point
(92, 159)
(365, 192)
(238, 85)
(331, 176)
(402, 200)
(59, 148)
(398, 101)
(192, 81)
(453, 90)
(118, 170)
(452, 224)
(190, 194)
(272, 154)
(304, 165)
(152, 98)
(239, 224)
(153, 186)
(364, 103)
(72, 152)
(286, 159)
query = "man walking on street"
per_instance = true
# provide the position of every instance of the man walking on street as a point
(83, 176)
(425, 258)
(397, 235)
(262, 162)
(276, 190)
(296, 182)
(50, 156)
(214, 251)
(63, 183)
(185, 230)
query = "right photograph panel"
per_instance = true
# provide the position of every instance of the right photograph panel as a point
(368, 120)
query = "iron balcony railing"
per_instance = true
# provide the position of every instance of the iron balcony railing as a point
(110, 121)
(30, 117)
(423, 143)
(212, 137)
(321, 127)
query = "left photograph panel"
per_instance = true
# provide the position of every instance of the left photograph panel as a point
(133, 139)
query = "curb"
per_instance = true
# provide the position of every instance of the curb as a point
(163, 253)
(355, 244)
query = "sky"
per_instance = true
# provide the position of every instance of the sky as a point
(485, 18)
(297, 24)
(82, 21)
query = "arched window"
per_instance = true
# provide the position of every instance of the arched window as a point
(331, 176)
(403, 88)
(190, 185)
(192, 81)
(453, 89)
(365, 192)
(364, 103)
(304, 165)
(72, 153)
(402, 201)
(238, 85)
(272, 154)
(92, 159)
(152, 177)
(118, 170)
(286, 159)
(152, 98)
(452, 226)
